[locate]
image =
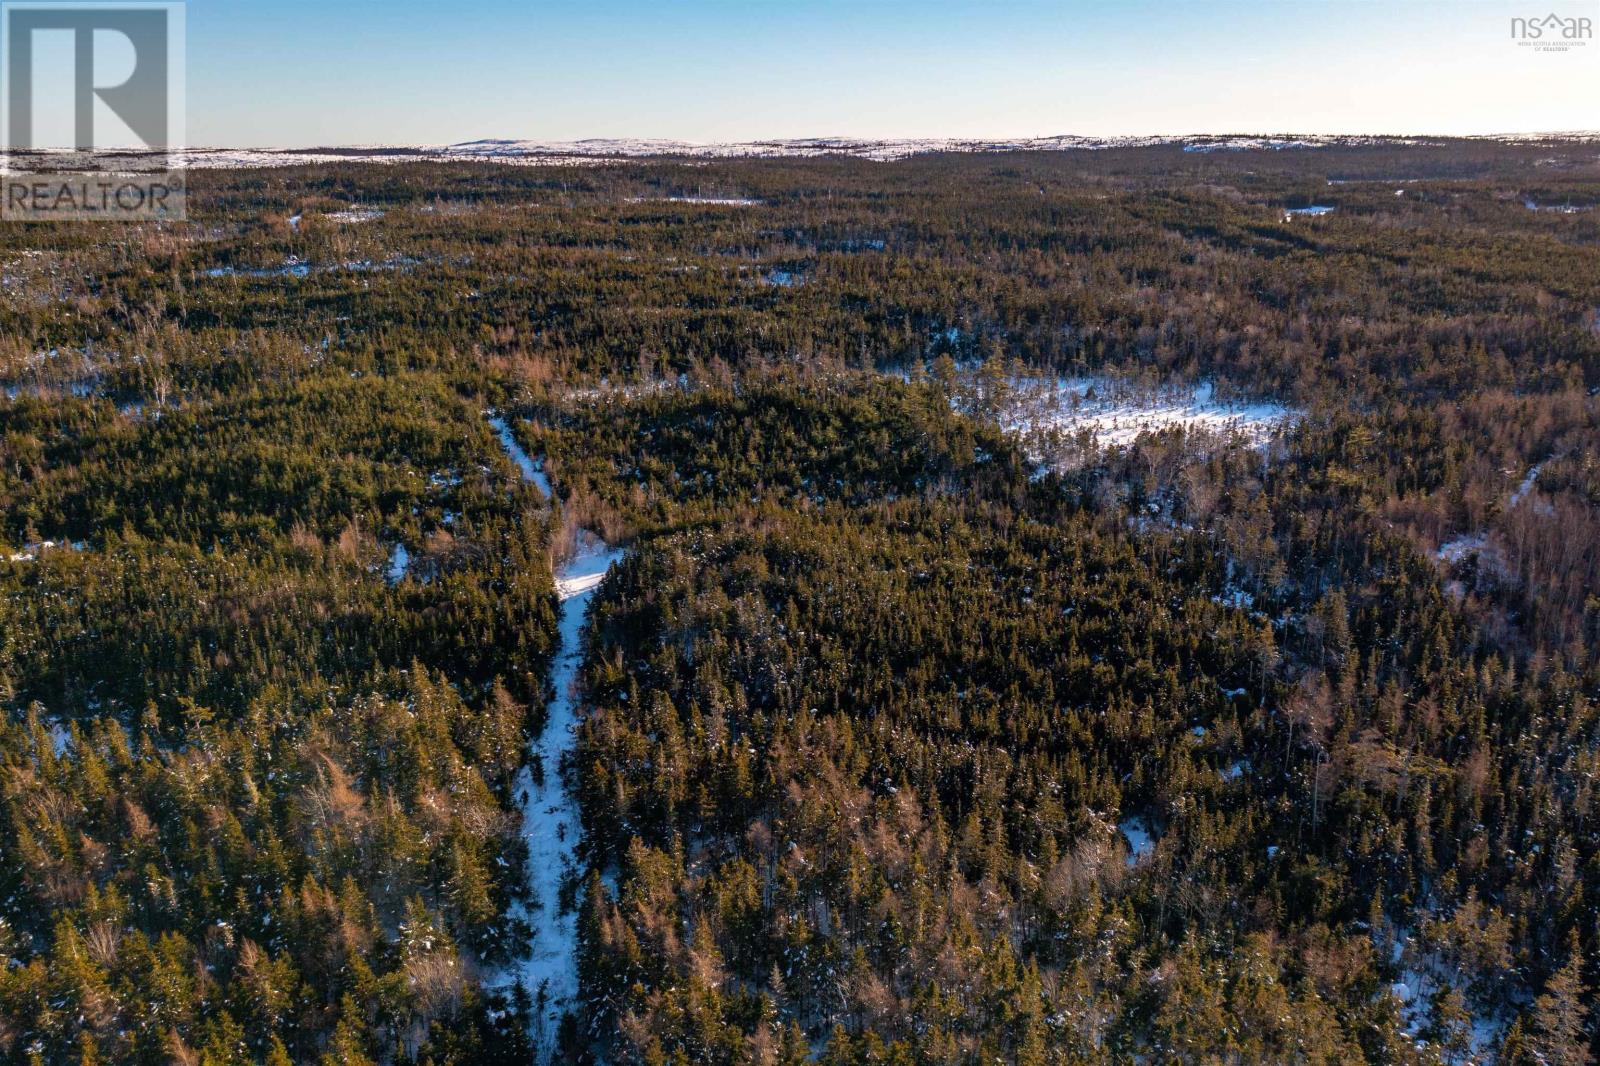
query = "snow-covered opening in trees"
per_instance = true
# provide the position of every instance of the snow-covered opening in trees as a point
(1465, 546)
(1059, 419)
(583, 573)
(355, 214)
(1459, 548)
(399, 562)
(1141, 839)
(550, 821)
(1421, 974)
(721, 201)
(1527, 484)
(32, 550)
(531, 470)
(296, 268)
(1560, 209)
(551, 826)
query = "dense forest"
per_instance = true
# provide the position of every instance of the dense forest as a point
(1078, 607)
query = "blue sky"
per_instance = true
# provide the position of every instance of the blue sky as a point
(303, 72)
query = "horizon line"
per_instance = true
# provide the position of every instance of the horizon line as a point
(826, 140)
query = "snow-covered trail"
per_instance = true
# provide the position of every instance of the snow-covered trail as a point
(531, 471)
(550, 823)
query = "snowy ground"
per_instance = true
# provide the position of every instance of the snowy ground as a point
(1141, 840)
(1527, 484)
(1459, 548)
(1560, 209)
(531, 471)
(1045, 412)
(582, 573)
(550, 823)
(1464, 546)
(355, 214)
(33, 550)
(1414, 991)
(724, 201)
(295, 267)
(399, 561)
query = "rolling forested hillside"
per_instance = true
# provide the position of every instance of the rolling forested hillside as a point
(1077, 607)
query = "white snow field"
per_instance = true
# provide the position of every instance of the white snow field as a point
(1047, 413)
(550, 822)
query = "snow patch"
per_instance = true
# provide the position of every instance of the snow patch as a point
(354, 215)
(1236, 598)
(583, 573)
(1560, 209)
(1459, 548)
(720, 201)
(531, 470)
(1141, 839)
(1527, 484)
(1045, 412)
(399, 561)
(34, 549)
(295, 267)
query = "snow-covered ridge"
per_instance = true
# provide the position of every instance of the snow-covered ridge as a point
(601, 150)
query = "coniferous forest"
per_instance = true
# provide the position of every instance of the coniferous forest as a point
(952, 702)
